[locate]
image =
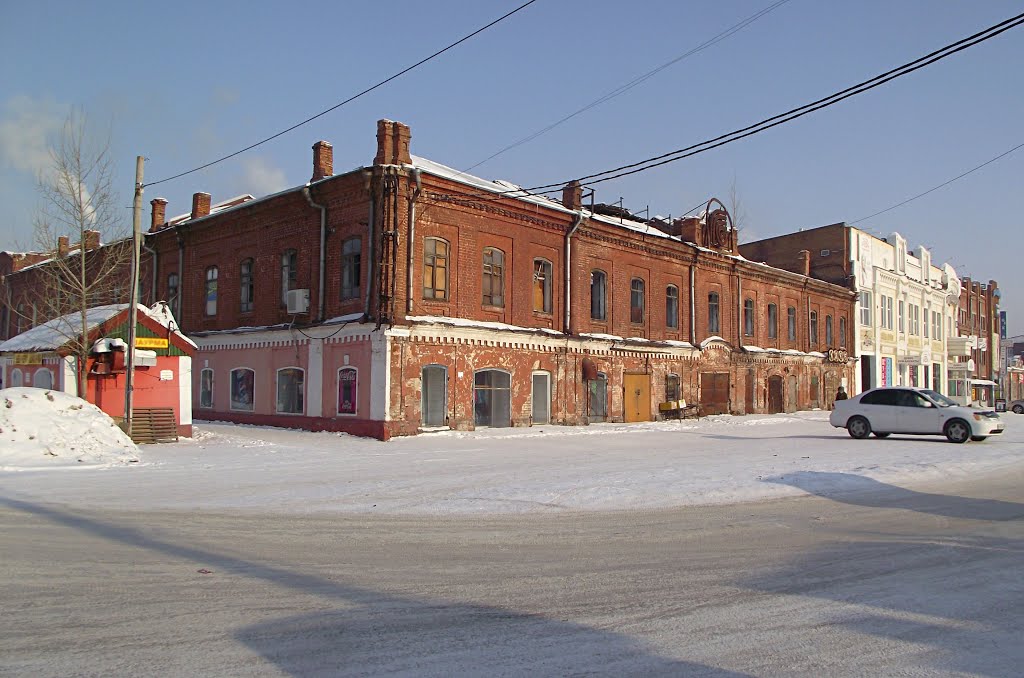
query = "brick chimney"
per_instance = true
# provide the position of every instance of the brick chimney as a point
(392, 143)
(63, 246)
(200, 205)
(689, 230)
(323, 160)
(572, 195)
(92, 240)
(803, 259)
(158, 219)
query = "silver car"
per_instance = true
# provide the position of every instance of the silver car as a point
(915, 411)
(1017, 407)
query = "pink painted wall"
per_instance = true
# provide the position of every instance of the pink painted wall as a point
(358, 353)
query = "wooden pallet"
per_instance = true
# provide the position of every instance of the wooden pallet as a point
(154, 425)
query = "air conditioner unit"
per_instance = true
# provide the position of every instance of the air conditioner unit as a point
(297, 301)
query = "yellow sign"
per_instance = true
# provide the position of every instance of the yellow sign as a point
(28, 358)
(150, 342)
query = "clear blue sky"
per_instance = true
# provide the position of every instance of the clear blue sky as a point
(183, 83)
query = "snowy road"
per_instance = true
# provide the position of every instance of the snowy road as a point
(884, 582)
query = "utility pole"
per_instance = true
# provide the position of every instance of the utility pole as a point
(133, 303)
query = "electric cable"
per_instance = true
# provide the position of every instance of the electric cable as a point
(346, 101)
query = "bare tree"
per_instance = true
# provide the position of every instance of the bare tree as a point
(77, 200)
(736, 211)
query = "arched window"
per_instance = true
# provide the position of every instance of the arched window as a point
(289, 273)
(206, 388)
(714, 325)
(493, 277)
(773, 321)
(435, 268)
(748, 317)
(492, 398)
(290, 390)
(243, 389)
(16, 377)
(43, 378)
(672, 307)
(542, 285)
(351, 268)
(348, 391)
(791, 322)
(172, 292)
(598, 295)
(829, 335)
(211, 291)
(245, 285)
(636, 300)
(842, 331)
(814, 329)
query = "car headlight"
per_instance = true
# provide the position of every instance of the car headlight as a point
(978, 417)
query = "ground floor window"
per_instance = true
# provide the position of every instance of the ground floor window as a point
(541, 398)
(434, 397)
(242, 389)
(15, 377)
(43, 378)
(492, 398)
(347, 381)
(206, 388)
(290, 383)
(672, 387)
(598, 397)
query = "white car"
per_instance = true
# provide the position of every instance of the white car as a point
(917, 411)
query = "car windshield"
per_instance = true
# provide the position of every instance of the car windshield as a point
(939, 399)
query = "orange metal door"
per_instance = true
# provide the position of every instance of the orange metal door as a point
(637, 401)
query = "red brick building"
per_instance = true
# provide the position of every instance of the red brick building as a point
(978, 320)
(406, 295)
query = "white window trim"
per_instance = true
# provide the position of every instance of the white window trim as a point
(277, 377)
(337, 391)
(231, 405)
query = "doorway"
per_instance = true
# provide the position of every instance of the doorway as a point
(541, 397)
(597, 394)
(714, 392)
(636, 404)
(434, 395)
(776, 401)
(492, 399)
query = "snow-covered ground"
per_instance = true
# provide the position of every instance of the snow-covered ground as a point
(721, 459)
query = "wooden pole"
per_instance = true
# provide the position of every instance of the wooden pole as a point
(133, 303)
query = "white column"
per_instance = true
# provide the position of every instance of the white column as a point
(380, 376)
(315, 379)
(70, 379)
(184, 377)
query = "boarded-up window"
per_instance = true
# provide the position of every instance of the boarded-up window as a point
(542, 285)
(493, 284)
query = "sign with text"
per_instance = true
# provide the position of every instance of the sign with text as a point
(151, 342)
(28, 358)
(1002, 324)
(836, 355)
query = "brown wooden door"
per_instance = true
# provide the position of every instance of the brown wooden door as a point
(776, 400)
(748, 401)
(714, 392)
(636, 403)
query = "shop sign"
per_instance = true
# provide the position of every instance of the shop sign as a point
(908, 360)
(28, 358)
(151, 342)
(837, 355)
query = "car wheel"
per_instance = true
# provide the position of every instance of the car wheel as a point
(957, 431)
(978, 439)
(858, 427)
(881, 435)
(1018, 409)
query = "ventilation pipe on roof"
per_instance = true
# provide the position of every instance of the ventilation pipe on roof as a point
(415, 174)
(323, 251)
(568, 270)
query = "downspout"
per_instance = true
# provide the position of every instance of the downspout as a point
(181, 278)
(693, 307)
(371, 242)
(739, 310)
(323, 251)
(410, 243)
(577, 221)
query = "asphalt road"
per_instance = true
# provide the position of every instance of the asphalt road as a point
(885, 581)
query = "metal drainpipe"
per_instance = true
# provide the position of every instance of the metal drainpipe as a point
(693, 308)
(323, 251)
(739, 310)
(412, 239)
(181, 273)
(371, 249)
(568, 270)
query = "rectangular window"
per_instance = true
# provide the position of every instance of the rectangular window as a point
(290, 390)
(351, 270)
(791, 322)
(865, 308)
(829, 336)
(542, 286)
(901, 316)
(672, 307)
(435, 268)
(172, 293)
(748, 318)
(289, 273)
(636, 301)
(773, 321)
(813, 327)
(713, 320)
(245, 284)
(211, 291)
(206, 388)
(347, 382)
(493, 277)
(598, 295)
(888, 312)
(925, 323)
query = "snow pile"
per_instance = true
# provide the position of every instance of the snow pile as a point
(49, 429)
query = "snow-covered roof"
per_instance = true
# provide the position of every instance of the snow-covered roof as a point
(53, 334)
(499, 186)
(463, 322)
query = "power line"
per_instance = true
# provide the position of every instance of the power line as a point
(935, 188)
(351, 98)
(795, 113)
(622, 89)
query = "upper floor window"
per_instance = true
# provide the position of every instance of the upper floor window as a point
(829, 333)
(887, 312)
(748, 317)
(813, 329)
(246, 285)
(19, 321)
(924, 313)
(289, 273)
(542, 285)
(713, 321)
(672, 307)
(865, 308)
(493, 277)
(172, 292)
(636, 300)
(351, 273)
(435, 268)
(211, 291)
(773, 321)
(902, 317)
(842, 331)
(598, 295)
(791, 322)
